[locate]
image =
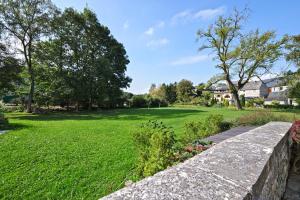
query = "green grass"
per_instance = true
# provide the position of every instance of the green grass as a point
(80, 155)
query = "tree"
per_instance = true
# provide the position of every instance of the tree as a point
(184, 90)
(86, 64)
(9, 71)
(171, 95)
(26, 21)
(293, 56)
(293, 47)
(240, 56)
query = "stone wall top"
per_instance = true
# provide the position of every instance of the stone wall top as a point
(228, 170)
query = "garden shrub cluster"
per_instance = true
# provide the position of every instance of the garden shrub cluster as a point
(158, 148)
(198, 130)
(155, 143)
(262, 117)
(144, 101)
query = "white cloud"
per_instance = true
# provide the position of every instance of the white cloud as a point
(210, 13)
(149, 31)
(189, 60)
(181, 16)
(126, 25)
(161, 24)
(158, 42)
(188, 15)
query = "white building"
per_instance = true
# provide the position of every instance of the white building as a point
(270, 90)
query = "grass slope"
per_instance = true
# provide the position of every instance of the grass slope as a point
(79, 155)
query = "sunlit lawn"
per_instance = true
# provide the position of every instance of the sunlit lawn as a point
(80, 155)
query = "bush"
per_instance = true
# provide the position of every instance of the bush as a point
(5, 108)
(255, 102)
(139, 101)
(3, 122)
(213, 124)
(261, 117)
(226, 103)
(192, 131)
(155, 143)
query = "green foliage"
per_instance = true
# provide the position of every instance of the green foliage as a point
(145, 101)
(255, 102)
(3, 121)
(226, 103)
(211, 125)
(256, 51)
(262, 117)
(155, 143)
(192, 131)
(275, 103)
(243, 100)
(139, 101)
(293, 47)
(5, 108)
(10, 70)
(184, 91)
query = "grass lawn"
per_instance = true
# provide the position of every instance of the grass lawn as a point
(80, 155)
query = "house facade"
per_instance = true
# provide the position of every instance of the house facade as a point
(270, 90)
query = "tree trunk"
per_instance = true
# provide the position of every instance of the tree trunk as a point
(237, 100)
(77, 106)
(31, 92)
(90, 104)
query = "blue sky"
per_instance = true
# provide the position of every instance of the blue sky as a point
(160, 35)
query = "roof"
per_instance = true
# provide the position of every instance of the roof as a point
(253, 85)
(278, 96)
(274, 82)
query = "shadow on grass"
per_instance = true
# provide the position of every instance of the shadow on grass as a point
(15, 126)
(118, 114)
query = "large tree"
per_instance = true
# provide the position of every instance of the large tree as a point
(240, 56)
(184, 90)
(26, 22)
(87, 63)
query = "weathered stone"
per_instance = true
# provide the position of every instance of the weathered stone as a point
(253, 165)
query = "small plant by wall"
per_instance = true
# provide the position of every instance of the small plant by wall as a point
(155, 143)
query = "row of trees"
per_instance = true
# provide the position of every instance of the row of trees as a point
(59, 58)
(182, 92)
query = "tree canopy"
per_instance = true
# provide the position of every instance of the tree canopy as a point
(71, 58)
(240, 56)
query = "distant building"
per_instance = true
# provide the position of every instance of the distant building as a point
(270, 90)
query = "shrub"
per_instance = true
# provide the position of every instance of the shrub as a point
(155, 143)
(192, 132)
(261, 117)
(198, 130)
(243, 100)
(139, 101)
(3, 122)
(255, 102)
(212, 125)
(5, 108)
(226, 103)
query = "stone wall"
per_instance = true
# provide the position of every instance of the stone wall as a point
(253, 165)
